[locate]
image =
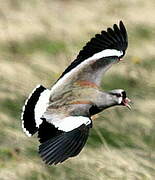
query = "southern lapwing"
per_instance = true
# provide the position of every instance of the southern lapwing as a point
(62, 115)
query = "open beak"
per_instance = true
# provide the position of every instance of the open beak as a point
(126, 102)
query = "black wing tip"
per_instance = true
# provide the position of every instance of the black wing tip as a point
(60, 148)
(112, 38)
(123, 29)
(28, 114)
(121, 23)
(115, 39)
(123, 33)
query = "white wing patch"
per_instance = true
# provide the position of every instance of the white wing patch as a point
(70, 123)
(102, 54)
(106, 53)
(41, 106)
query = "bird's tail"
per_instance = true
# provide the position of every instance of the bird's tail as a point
(33, 109)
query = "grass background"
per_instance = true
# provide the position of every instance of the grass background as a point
(38, 39)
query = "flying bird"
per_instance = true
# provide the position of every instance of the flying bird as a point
(62, 114)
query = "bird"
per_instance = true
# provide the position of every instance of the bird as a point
(62, 115)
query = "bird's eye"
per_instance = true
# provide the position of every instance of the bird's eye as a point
(118, 95)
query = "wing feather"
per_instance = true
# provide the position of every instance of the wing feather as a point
(68, 144)
(116, 39)
(96, 57)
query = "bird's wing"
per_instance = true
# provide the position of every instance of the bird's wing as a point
(95, 58)
(62, 138)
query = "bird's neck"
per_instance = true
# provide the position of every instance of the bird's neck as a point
(104, 101)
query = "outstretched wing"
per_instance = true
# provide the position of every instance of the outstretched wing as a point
(62, 138)
(95, 58)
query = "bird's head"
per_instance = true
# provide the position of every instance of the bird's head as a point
(120, 98)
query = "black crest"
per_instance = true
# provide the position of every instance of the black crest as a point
(113, 38)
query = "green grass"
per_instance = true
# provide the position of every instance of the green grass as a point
(5, 154)
(143, 32)
(34, 175)
(149, 64)
(35, 44)
(12, 107)
(115, 139)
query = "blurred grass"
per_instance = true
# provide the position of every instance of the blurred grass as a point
(36, 44)
(38, 39)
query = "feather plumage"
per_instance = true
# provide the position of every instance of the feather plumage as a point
(115, 38)
(66, 145)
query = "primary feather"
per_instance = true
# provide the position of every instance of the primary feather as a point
(115, 38)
